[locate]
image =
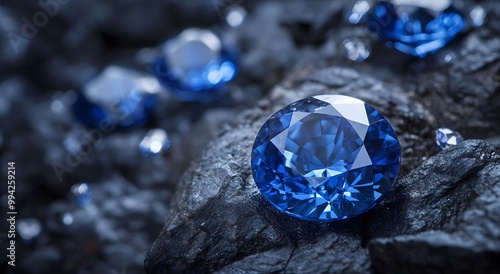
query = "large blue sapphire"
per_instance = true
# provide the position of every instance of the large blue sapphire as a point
(416, 27)
(326, 158)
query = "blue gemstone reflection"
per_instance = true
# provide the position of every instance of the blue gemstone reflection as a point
(118, 97)
(415, 27)
(195, 65)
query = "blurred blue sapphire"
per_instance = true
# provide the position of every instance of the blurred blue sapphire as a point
(155, 143)
(118, 98)
(415, 27)
(196, 65)
(81, 194)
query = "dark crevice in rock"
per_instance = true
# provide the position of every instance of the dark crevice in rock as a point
(288, 261)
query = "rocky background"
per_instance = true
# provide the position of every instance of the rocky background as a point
(441, 217)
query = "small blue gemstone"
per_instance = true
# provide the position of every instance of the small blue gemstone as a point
(196, 65)
(81, 194)
(117, 97)
(325, 158)
(415, 27)
(155, 143)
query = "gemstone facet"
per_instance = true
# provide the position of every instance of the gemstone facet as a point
(117, 97)
(195, 65)
(446, 138)
(325, 158)
(416, 27)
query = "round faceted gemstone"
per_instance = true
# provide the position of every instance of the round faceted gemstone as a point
(117, 97)
(195, 65)
(326, 158)
(416, 27)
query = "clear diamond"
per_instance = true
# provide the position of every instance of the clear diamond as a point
(195, 65)
(446, 137)
(118, 96)
(416, 27)
(326, 158)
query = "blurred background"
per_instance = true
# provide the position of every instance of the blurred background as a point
(93, 202)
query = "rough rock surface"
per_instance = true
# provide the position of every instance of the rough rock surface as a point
(450, 219)
(223, 223)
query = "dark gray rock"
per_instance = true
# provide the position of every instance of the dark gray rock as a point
(222, 222)
(458, 213)
(437, 192)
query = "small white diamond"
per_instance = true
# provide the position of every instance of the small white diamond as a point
(446, 138)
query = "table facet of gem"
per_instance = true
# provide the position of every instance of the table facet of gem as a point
(325, 158)
(415, 27)
(118, 97)
(196, 65)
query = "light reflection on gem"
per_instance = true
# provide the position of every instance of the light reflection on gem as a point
(118, 96)
(29, 229)
(235, 15)
(477, 16)
(448, 58)
(155, 143)
(67, 218)
(357, 12)
(57, 106)
(356, 49)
